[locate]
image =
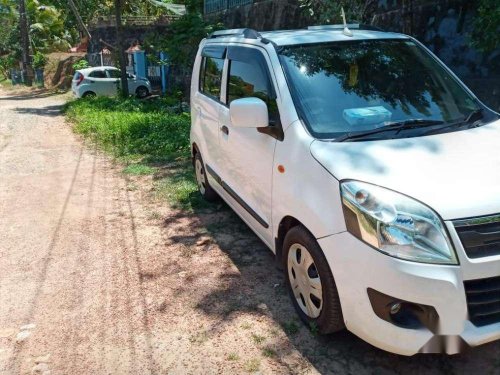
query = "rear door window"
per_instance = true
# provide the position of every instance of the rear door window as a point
(212, 65)
(112, 73)
(98, 74)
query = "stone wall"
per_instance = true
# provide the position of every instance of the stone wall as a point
(442, 25)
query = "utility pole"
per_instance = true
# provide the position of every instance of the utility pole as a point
(25, 44)
(120, 49)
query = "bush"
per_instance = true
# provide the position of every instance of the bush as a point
(133, 128)
(39, 60)
(81, 64)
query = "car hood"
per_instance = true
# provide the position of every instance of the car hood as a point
(457, 174)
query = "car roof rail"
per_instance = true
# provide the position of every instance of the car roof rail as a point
(245, 33)
(355, 26)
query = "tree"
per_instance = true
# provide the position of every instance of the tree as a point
(329, 11)
(183, 37)
(120, 49)
(486, 33)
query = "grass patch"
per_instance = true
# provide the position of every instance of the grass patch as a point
(180, 189)
(252, 365)
(145, 133)
(291, 327)
(258, 339)
(233, 357)
(269, 353)
(138, 169)
(129, 127)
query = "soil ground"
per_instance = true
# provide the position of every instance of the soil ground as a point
(98, 277)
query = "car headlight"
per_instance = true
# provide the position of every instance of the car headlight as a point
(395, 224)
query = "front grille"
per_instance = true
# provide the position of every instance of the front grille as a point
(483, 300)
(480, 236)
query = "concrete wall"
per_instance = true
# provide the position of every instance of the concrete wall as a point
(442, 25)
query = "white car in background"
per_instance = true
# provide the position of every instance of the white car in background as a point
(368, 168)
(104, 81)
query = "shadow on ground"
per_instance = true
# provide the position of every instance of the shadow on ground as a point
(30, 95)
(258, 288)
(51, 111)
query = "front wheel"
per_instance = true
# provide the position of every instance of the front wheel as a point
(310, 282)
(89, 95)
(142, 92)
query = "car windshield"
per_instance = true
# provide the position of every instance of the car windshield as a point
(356, 86)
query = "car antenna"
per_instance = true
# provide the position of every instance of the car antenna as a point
(346, 30)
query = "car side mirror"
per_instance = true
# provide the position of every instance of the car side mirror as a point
(249, 113)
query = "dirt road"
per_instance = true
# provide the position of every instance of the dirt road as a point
(96, 277)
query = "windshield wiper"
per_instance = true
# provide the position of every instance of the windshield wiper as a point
(470, 120)
(394, 126)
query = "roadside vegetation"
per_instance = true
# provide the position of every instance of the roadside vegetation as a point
(150, 137)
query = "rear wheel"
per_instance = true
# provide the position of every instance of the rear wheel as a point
(204, 187)
(89, 94)
(142, 92)
(310, 282)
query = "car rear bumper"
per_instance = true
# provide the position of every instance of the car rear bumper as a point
(357, 268)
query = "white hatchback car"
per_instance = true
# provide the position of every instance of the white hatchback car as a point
(368, 168)
(104, 81)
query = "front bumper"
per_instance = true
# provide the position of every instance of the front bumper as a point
(358, 267)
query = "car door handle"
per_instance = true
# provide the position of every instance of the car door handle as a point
(224, 129)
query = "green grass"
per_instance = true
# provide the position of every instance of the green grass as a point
(291, 328)
(132, 127)
(258, 339)
(180, 189)
(149, 135)
(269, 353)
(138, 169)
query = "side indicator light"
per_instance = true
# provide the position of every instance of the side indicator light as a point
(281, 169)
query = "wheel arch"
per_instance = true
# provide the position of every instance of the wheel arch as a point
(194, 150)
(287, 222)
(89, 92)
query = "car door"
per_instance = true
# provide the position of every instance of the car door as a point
(206, 106)
(247, 153)
(99, 82)
(113, 79)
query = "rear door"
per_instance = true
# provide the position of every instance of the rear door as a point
(208, 100)
(113, 76)
(247, 154)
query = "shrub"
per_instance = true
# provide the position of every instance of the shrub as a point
(131, 127)
(39, 60)
(81, 64)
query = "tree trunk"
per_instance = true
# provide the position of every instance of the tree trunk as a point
(120, 48)
(25, 44)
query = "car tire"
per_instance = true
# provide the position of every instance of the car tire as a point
(89, 94)
(206, 191)
(316, 279)
(142, 92)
